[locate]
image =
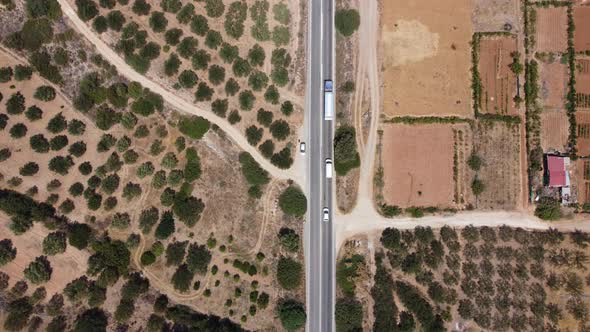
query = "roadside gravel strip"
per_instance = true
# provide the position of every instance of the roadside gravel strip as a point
(179, 103)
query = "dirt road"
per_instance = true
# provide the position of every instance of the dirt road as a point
(367, 73)
(179, 103)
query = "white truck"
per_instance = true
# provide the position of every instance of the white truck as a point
(328, 100)
(329, 168)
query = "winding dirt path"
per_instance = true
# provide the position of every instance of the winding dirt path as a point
(180, 104)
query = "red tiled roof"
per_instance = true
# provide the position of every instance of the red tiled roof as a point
(556, 168)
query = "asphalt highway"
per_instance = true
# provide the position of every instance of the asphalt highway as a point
(320, 242)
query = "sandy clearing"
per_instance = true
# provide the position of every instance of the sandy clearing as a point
(177, 102)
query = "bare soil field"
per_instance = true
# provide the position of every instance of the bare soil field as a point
(554, 130)
(553, 83)
(583, 83)
(498, 81)
(583, 132)
(582, 24)
(581, 180)
(418, 165)
(551, 30)
(426, 57)
(492, 15)
(498, 144)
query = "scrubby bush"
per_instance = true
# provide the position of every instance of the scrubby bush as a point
(194, 127)
(241, 67)
(175, 253)
(5, 74)
(58, 142)
(100, 24)
(281, 35)
(158, 22)
(347, 21)
(254, 174)
(204, 92)
(76, 127)
(57, 124)
(213, 39)
(548, 208)
(280, 129)
(198, 258)
(346, 156)
(29, 169)
(214, 8)
(22, 72)
(166, 226)
(15, 104)
(289, 239)
(186, 13)
(293, 202)
(267, 148)
(246, 99)
(60, 164)
(45, 93)
(115, 20)
(35, 33)
(254, 135)
(187, 47)
(87, 9)
(19, 130)
(7, 252)
(141, 7)
(272, 95)
(292, 314)
(349, 314)
(39, 270)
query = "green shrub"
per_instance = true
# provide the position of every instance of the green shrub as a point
(39, 143)
(182, 278)
(187, 47)
(246, 99)
(76, 127)
(254, 174)
(147, 258)
(22, 72)
(175, 253)
(7, 252)
(293, 202)
(188, 79)
(87, 9)
(346, 156)
(234, 19)
(158, 22)
(19, 130)
(204, 92)
(141, 7)
(58, 142)
(172, 64)
(257, 80)
(292, 314)
(115, 20)
(272, 95)
(40, 8)
(231, 87)
(166, 226)
(35, 33)
(214, 8)
(477, 186)
(39, 270)
(172, 36)
(186, 13)
(192, 169)
(254, 135)
(100, 24)
(29, 169)
(199, 25)
(281, 35)
(194, 127)
(234, 117)
(347, 21)
(289, 239)
(45, 93)
(213, 39)
(282, 159)
(171, 6)
(241, 67)
(548, 208)
(280, 129)
(198, 258)
(57, 124)
(287, 108)
(5, 74)
(15, 104)
(267, 148)
(216, 74)
(349, 314)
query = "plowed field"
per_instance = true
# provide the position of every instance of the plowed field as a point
(554, 130)
(551, 29)
(499, 82)
(582, 23)
(583, 132)
(553, 85)
(583, 84)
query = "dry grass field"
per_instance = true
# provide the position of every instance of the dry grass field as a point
(418, 165)
(551, 30)
(582, 23)
(498, 81)
(426, 57)
(498, 144)
(492, 15)
(554, 130)
(553, 83)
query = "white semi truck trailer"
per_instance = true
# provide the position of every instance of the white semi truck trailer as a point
(328, 100)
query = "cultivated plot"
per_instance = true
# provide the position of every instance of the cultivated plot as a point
(582, 24)
(499, 86)
(583, 84)
(426, 57)
(551, 29)
(554, 131)
(583, 132)
(553, 83)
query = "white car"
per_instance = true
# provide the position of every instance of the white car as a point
(328, 168)
(302, 148)
(326, 214)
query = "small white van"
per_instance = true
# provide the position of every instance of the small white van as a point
(328, 168)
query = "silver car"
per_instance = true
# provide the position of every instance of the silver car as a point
(326, 214)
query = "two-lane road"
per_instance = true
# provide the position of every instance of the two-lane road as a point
(319, 234)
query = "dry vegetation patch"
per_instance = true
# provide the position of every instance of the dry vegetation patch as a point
(553, 84)
(426, 57)
(554, 131)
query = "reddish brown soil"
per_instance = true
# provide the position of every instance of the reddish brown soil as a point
(582, 24)
(554, 130)
(551, 29)
(498, 80)
(553, 84)
(418, 165)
